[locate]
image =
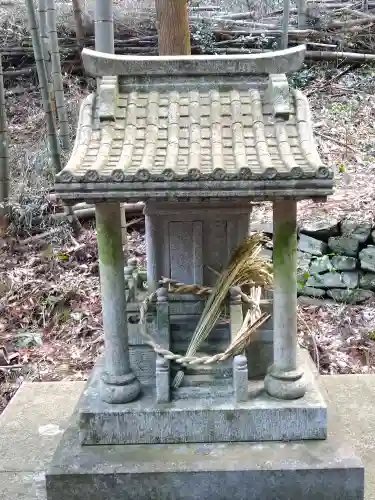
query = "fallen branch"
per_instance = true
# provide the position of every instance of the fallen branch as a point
(332, 80)
(337, 141)
(129, 207)
(41, 236)
(352, 57)
(89, 212)
(353, 22)
(19, 72)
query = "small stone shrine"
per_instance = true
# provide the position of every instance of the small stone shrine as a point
(198, 139)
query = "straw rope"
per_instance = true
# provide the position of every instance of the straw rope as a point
(252, 321)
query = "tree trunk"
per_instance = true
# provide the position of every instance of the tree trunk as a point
(173, 27)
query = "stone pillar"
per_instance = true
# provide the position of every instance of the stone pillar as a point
(163, 368)
(119, 384)
(284, 379)
(240, 371)
(124, 232)
(152, 251)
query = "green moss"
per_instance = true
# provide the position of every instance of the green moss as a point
(285, 243)
(108, 226)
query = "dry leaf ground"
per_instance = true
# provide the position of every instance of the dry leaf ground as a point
(50, 326)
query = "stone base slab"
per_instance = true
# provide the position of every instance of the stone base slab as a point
(200, 416)
(312, 470)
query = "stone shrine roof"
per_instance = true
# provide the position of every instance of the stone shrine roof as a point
(161, 142)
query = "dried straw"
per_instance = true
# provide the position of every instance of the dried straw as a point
(246, 267)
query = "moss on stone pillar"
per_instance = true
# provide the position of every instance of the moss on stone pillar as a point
(109, 235)
(119, 384)
(284, 379)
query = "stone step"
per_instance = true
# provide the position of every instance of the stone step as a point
(215, 378)
(218, 375)
(196, 391)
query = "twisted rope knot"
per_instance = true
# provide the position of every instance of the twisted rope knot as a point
(252, 321)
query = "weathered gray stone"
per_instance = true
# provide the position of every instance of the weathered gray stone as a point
(367, 281)
(118, 383)
(240, 378)
(311, 245)
(198, 167)
(367, 258)
(277, 92)
(321, 265)
(310, 291)
(312, 470)
(187, 240)
(373, 236)
(344, 245)
(350, 296)
(261, 227)
(284, 379)
(334, 280)
(303, 260)
(322, 228)
(203, 416)
(280, 62)
(313, 301)
(266, 253)
(360, 230)
(303, 267)
(344, 263)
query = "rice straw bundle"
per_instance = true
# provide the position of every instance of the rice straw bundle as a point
(246, 267)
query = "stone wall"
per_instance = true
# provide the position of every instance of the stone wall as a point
(335, 260)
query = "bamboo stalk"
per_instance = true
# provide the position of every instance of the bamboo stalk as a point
(19, 72)
(302, 14)
(4, 159)
(353, 22)
(53, 142)
(285, 24)
(43, 87)
(80, 34)
(43, 26)
(104, 32)
(333, 56)
(56, 75)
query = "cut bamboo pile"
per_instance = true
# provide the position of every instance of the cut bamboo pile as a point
(331, 30)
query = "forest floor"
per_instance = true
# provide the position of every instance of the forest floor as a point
(50, 311)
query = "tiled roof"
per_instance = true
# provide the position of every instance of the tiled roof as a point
(174, 142)
(207, 136)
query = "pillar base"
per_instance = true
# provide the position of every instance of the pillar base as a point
(204, 412)
(119, 389)
(285, 385)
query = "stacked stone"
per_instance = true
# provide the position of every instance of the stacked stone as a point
(337, 260)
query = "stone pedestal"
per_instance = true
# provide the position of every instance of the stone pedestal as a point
(310, 469)
(204, 413)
